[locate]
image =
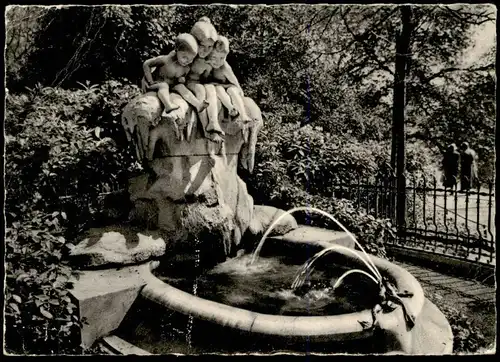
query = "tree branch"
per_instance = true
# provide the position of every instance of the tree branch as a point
(445, 71)
(369, 50)
(470, 18)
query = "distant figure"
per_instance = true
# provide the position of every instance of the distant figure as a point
(450, 166)
(468, 171)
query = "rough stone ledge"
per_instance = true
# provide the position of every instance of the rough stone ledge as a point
(116, 245)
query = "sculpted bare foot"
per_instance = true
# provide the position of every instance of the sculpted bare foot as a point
(170, 107)
(167, 111)
(234, 112)
(215, 137)
(214, 127)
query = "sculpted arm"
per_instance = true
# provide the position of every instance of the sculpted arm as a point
(154, 62)
(227, 71)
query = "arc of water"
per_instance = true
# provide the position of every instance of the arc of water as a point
(308, 208)
(307, 268)
(359, 271)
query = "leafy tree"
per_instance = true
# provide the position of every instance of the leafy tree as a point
(439, 36)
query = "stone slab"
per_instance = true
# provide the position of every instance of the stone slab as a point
(123, 347)
(104, 297)
(323, 237)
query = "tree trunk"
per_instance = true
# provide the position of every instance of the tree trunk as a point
(398, 161)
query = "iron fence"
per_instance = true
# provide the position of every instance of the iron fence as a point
(438, 219)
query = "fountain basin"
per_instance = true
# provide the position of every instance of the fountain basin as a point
(344, 333)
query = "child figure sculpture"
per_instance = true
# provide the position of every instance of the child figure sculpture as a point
(226, 84)
(171, 69)
(206, 35)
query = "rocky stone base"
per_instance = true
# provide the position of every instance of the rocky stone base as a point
(116, 245)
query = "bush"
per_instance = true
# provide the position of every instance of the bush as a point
(40, 316)
(64, 150)
(311, 158)
(369, 231)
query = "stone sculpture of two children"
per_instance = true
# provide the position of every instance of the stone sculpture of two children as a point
(198, 71)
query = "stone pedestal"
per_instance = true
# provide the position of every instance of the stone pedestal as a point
(191, 188)
(104, 297)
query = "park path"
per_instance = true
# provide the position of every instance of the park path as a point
(462, 290)
(473, 211)
(474, 299)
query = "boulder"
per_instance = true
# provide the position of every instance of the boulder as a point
(264, 216)
(116, 246)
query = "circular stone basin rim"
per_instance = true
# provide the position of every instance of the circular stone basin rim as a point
(334, 327)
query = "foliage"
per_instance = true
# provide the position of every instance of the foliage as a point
(40, 313)
(320, 162)
(369, 231)
(73, 144)
(95, 43)
(297, 166)
(64, 149)
(22, 24)
(467, 335)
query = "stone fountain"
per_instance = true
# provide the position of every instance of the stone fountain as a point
(190, 204)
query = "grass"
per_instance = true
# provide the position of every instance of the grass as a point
(473, 322)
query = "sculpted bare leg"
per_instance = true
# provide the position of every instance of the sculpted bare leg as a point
(226, 100)
(199, 103)
(163, 90)
(201, 94)
(213, 128)
(237, 100)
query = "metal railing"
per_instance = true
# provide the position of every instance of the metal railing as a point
(441, 220)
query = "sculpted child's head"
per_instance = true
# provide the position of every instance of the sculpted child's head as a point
(186, 48)
(218, 56)
(205, 34)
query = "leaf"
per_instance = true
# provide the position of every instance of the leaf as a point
(21, 277)
(42, 297)
(14, 307)
(54, 302)
(46, 313)
(17, 298)
(63, 214)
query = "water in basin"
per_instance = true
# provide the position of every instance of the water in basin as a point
(265, 287)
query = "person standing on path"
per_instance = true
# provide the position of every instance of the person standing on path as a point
(450, 166)
(468, 169)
